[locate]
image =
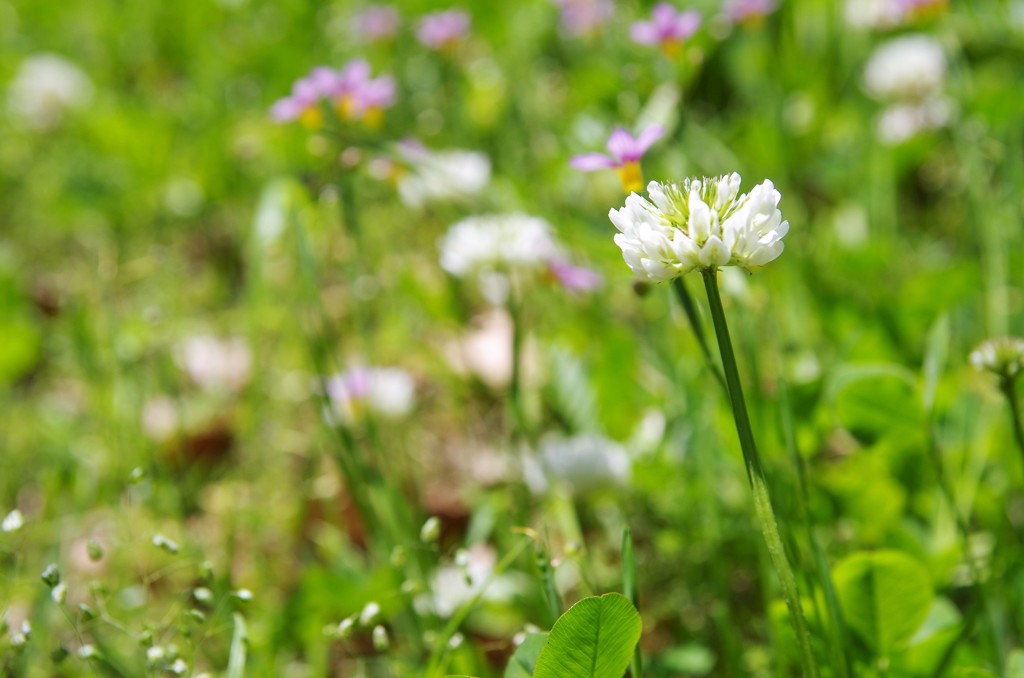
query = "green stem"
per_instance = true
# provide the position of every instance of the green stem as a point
(690, 309)
(1009, 389)
(441, 647)
(755, 474)
(520, 429)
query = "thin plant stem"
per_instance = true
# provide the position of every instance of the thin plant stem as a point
(441, 647)
(946, 489)
(755, 474)
(629, 589)
(841, 658)
(690, 309)
(1009, 388)
(519, 426)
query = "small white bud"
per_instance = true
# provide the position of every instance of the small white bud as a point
(431, 530)
(380, 638)
(155, 654)
(345, 627)
(244, 595)
(12, 522)
(59, 593)
(87, 652)
(369, 614)
(179, 667)
(203, 595)
(160, 541)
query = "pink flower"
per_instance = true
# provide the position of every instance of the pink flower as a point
(667, 27)
(624, 154)
(575, 278)
(303, 104)
(742, 11)
(352, 91)
(584, 17)
(375, 23)
(443, 29)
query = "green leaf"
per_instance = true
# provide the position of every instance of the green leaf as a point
(525, 657)
(885, 596)
(593, 639)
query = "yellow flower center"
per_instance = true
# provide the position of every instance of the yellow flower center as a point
(312, 118)
(631, 176)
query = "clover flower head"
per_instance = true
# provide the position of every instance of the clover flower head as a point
(584, 17)
(749, 11)
(428, 176)
(901, 121)
(214, 363)
(585, 462)
(45, 88)
(442, 30)
(911, 67)
(624, 154)
(699, 223)
(668, 28)
(1003, 356)
(388, 392)
(493, 250)
(375, 23)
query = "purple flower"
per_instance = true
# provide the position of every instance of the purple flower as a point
(584, 17)
(302, 104)
(575, 278)
(352, 91)
(742, 11)
(667, 27)
(443, 29)
(375, 23)
(624, 154)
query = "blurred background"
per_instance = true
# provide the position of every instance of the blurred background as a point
(181, 276)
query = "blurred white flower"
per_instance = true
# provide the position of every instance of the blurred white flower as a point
(699, 224)
(584, 462)
(45, 88)
(485, 351)
(215, 363)
(900, 122)
(1003, 356)
(160, 418)
(12, 522)
(874, 14)
(440, 176)
(908, 68)
(453, 586)
(488, 248)
(386, 391)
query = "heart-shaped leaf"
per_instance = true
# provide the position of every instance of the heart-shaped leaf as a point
(885, 596)
(595, 638)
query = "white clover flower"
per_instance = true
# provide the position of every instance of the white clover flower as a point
(389, 392)
(215, 363)
(874, 14)
(45, 88)
(699, 224)
(454, 175)
(1003, 356)
(902, 121)
(908, 68)
(12, 522)
(585, 462)
(452, 586)
(488, 248)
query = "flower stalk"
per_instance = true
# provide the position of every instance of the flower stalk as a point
(755, 474)
(1008, 385)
